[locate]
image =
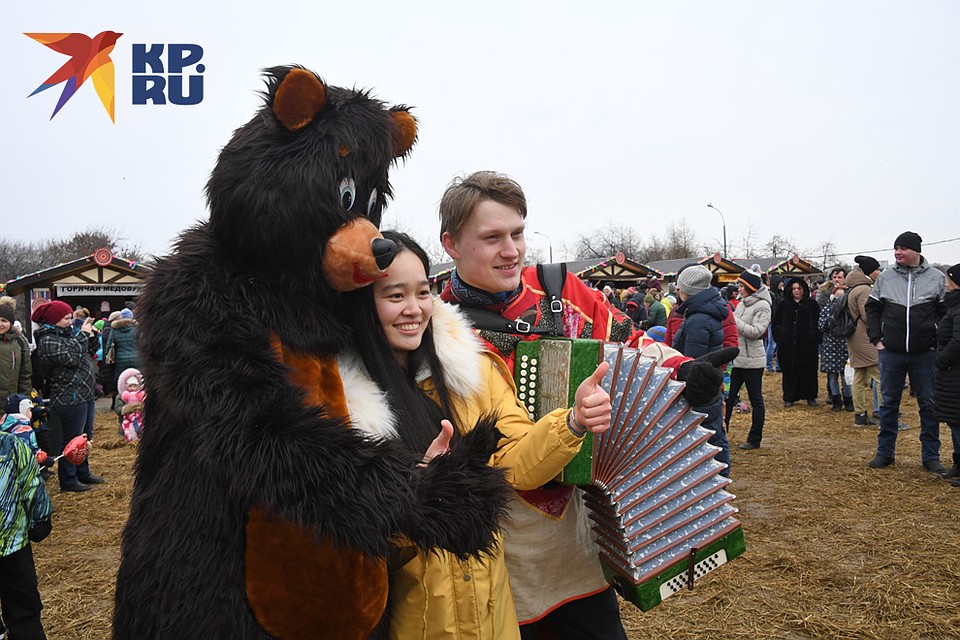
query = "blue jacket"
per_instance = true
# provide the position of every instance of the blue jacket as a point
(702, 328)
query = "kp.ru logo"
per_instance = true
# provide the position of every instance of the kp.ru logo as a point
(153, 81)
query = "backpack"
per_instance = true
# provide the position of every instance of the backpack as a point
(840, 322)
(40, 378)
(551, 276)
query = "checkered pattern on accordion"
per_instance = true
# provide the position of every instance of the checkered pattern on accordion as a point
(661, 515)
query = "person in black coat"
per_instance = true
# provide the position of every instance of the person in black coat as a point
(798, 339)
(946, 392)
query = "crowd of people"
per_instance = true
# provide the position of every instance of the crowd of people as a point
(902, 324)
(432, 367)
(49, 384)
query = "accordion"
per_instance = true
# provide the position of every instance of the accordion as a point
(660, 513)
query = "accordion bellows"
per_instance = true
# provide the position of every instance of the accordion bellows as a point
(660, 511)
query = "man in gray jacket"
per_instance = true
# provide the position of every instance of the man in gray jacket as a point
(902, 314)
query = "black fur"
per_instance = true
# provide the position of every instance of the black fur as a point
(225, 429)
(441, 488)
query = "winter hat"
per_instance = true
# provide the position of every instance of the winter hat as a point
(51, 313)
(751, 281)
(113, 316)
(7, 313)
(954, 274)
(908, 239)
(126, 314)
(867, 264)
(694, 279)
(648, 299)
(17, 403)
(126, 374)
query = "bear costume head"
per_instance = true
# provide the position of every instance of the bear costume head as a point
(257, 510)
(322, 156)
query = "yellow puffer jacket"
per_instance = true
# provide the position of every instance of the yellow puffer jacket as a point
(435, 595)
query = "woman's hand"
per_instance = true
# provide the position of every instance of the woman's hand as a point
(87, 326)
(440, 444)
(592, 408)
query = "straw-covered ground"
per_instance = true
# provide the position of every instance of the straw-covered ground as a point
(834, 549)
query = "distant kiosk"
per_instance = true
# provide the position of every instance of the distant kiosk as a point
(101, 282)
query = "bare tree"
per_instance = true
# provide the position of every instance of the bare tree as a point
(681, 241)
(779, 245)
(828, 251)
(607, 241)
(750, 242)
(534, 255)
(18, 258)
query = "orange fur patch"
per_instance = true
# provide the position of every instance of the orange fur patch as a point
(404, 132)
(344, 151)
(282, 565)
(298, 99)
(284, 560)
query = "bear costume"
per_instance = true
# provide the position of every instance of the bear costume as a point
(258, 512)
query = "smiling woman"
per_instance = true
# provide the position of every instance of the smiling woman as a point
(418, 364)
(404, 304)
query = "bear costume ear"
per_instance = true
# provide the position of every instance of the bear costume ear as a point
(298, 99)
(404, 131)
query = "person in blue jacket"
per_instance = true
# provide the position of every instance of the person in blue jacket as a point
(703, 311)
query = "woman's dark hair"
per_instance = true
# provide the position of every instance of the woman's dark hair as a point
(418, 417)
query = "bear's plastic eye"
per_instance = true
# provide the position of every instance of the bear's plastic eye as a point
(348, 193)
(372, 202)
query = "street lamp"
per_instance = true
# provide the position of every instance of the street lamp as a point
(549, 242)
(722, 219)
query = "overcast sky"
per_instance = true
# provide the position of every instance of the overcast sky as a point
(823, 121)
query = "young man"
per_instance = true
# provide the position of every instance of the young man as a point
(551, 558)
(902, 313)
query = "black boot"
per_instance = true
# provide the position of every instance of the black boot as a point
(837, 403)
(954, 471)
(864, 420)
(848, 403)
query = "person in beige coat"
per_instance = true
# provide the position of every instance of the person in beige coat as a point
(863, 354)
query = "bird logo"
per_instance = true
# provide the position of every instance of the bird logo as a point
(89, 57)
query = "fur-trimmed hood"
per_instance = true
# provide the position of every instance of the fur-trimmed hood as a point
(458, 349)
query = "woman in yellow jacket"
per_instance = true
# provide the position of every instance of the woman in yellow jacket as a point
(418, 363)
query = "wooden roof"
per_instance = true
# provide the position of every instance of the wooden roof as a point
(724, 269)
(97, 268)
(789, 266)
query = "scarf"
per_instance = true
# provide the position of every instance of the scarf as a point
(473, 297)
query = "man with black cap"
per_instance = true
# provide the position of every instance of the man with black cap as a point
(902, 313)
(863, 355)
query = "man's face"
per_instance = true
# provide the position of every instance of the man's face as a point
(489, 248)
(839, 279)
(906, 257)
